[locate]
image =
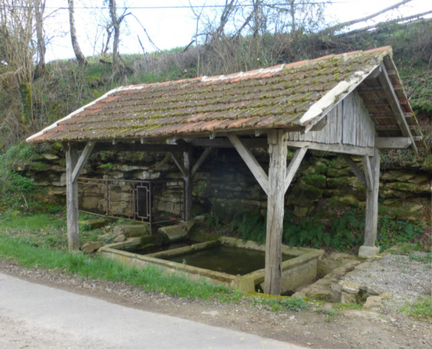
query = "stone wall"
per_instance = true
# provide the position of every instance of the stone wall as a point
(224, 185)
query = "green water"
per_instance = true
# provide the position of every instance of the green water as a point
(160, 248)
(230, 260)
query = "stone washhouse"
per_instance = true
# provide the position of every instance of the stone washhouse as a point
(352, 104)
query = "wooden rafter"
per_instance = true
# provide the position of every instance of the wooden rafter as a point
(393, 100)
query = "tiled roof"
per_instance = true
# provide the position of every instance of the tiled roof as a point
(276, 97)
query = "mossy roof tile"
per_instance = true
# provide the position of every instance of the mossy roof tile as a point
(264, 98)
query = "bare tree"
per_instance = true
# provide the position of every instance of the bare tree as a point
(39, 13)
(116, 21)
(364, 19)
(197, 15)
(78, 54)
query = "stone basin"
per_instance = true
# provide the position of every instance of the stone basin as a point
(299, 267)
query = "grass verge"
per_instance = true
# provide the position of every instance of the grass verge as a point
(150, 279)
(420, 309)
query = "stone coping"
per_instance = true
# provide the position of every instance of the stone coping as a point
(244, 283)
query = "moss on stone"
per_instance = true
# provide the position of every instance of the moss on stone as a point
(427, 164)
(307, 191)
(335, 183)
(315, 180)
(334, 172)
(39, 166)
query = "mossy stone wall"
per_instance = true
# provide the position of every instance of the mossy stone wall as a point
(225, 187)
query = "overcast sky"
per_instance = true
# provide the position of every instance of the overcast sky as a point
(169, 28)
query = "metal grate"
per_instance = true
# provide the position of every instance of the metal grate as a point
(151, 202)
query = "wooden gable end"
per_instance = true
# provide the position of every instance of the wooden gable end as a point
(348, 123)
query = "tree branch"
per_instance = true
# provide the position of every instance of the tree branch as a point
(359, 20)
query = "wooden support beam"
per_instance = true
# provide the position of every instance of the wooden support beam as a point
(368, 172)
(293, 166)
(372, 166)
(395, 105)
(251, 162)
(202, 158)
(370, 89)
(226, 143)
(275, 212)
(376, 103)
(353, 166)
(334, 148)
(82, 160)
(188, 184)
(379, 116)
(72, 198)
(392, 142)
(179, 164)
(140, 147)
(392, 128)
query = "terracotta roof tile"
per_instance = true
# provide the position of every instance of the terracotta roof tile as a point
(263, 98)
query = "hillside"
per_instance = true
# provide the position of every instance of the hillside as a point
(33, 176)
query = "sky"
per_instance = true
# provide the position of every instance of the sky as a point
(170, 28)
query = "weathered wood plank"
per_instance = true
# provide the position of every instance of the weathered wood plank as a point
(72, 199)
(201, 159)
(392, 142)
(293, 166)
(251, 162)
(353, 166)
(275, 213)
(82, 160)
(335, 148)
(393, 128)
(339, 124)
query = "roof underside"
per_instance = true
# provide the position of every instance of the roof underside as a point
(276, 97)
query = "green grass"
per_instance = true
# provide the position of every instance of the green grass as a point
(150, 278)
(278, 303)
(44, 230)
(33, 222)
(421, 309)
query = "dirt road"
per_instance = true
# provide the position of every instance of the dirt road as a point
(314, 328)
(37, 316)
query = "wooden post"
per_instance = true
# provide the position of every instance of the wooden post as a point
(188, 173)
(372, 172)
(188, 184)
(275, 212)
(72, 199)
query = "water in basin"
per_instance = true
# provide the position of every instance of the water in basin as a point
(160, 248)
(230, 260)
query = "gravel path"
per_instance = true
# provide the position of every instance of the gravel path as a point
(404, 279)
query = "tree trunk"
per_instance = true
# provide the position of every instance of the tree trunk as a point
(39, 11)
(79, 55)
(116, 26)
